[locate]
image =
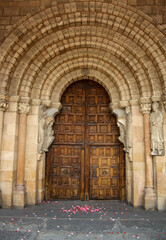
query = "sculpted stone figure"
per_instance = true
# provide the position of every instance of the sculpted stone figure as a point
(49, 138)
(46, 133)
(129, 133)
(122, 137)
(42, 131)
(156, 129)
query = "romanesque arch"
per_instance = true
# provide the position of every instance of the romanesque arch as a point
(43, 53)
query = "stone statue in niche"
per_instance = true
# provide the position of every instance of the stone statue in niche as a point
(156, 130)
(129, 133)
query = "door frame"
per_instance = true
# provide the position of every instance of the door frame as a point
(84, 194)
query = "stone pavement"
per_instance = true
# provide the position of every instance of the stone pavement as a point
(78, 220)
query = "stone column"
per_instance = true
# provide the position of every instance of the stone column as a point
(149, 193)
(3, 107)
(19, 199)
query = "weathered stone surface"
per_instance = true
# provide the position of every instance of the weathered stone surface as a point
(60, 42)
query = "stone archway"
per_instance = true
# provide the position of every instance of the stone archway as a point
(108, 42)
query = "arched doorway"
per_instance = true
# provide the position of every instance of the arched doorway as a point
(86, 159)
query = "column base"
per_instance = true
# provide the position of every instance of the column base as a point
(149, 199)
(19, 197)
(40, 196)
(161, 203)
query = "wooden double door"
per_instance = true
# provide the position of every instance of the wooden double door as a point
(86, 159)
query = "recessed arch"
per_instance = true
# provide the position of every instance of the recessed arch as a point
(118, 25)
(87, 137)
(93, 75)
(129, 46)
(54, 46)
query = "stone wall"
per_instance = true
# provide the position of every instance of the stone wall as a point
(13, 10)
(113, 44)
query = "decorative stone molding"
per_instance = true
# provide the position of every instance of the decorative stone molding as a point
(156, 96)
(46, 121)
(85, 71)
(3, 105)
(36, 102)
(14, 98)
(114, 105)
(145, 105)
(134, 102)
(123, 104)
(24, 108)
(46, 102)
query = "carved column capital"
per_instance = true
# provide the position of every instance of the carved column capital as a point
(3, 105)
(24, 107)
(145, 105)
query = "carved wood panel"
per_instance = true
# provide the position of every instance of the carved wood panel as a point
(104, 172)
(86, 159)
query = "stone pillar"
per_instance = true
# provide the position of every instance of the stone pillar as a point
(3, 107)
(149, 193)
(19, 199)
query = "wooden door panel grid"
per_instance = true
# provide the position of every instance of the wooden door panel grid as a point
(86, 158)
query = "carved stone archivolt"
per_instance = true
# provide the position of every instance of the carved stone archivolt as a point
(3, 105)
(46, 133)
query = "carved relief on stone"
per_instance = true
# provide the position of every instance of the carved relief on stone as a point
(46, 133)
(145, 105)
(49, 137)
(3, 105)
(42, 128)
(121, 122)
(156, 130)
(24, 108)
(129, 133)
(122, 137)
(124, 122)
